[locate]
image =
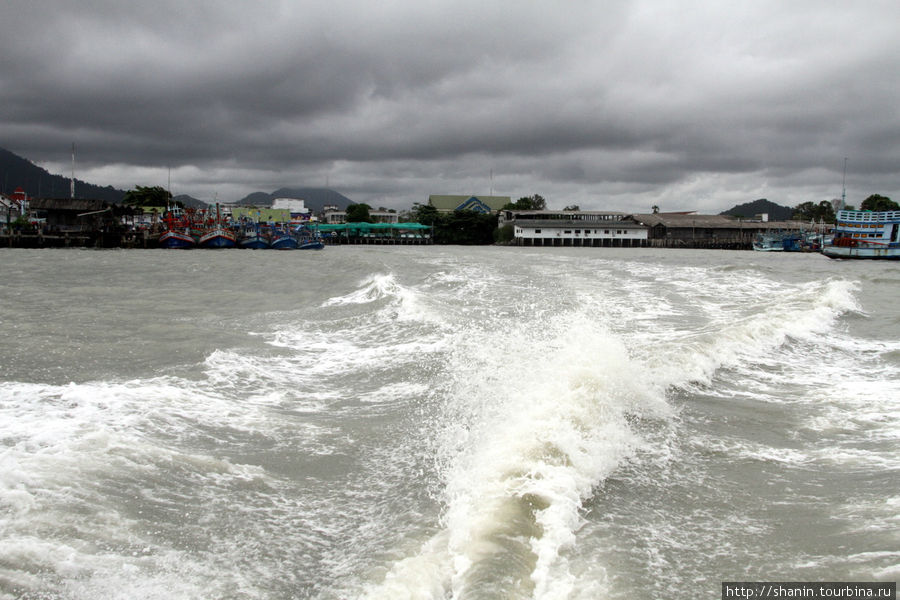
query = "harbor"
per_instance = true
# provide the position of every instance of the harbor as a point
(353, 234)
(449, 220)
(287, 225)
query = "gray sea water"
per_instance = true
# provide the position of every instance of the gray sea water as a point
(444, 422)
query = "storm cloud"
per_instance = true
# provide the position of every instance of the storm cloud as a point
(608, 105)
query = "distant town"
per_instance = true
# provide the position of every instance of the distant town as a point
(150, 217)
(147, 214)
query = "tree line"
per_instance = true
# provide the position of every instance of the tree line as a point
(823, 212)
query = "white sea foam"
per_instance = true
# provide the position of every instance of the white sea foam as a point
(689, 357)
(87, 469)
(405, 302)
(737, 449)
(539, 416)
(373, 288)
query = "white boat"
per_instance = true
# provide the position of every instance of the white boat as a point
(865, 234)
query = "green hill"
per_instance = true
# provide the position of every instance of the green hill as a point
(751, 209)
(37, 182)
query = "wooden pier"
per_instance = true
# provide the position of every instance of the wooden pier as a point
(78, 239)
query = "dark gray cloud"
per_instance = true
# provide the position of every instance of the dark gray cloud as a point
(687, 105)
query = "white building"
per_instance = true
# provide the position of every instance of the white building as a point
(295, 206)
(574, 228)
(336, 216)
(10, 209)
(13, 206)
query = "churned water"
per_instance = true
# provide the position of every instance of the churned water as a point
(444, 422)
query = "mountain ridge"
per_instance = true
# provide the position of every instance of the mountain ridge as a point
(37, 182)
(750, 209)
(19, 172)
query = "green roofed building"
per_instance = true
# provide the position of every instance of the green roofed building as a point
(481, 204)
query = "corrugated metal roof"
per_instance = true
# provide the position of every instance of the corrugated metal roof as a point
(76, 204)
(680, 220)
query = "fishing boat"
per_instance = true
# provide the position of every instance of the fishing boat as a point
(253, 238)
(791, 241)
(802, 241)
(312, 245)
(865, 234)
(177, 239)
(282, 239)
(769, 242)
(308, 238)
(178, 231)
(217, 234)
(218, 237)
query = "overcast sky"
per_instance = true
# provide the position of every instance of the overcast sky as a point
(608, 105)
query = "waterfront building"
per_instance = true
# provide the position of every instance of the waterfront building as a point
(574, 228)
(691, 230)
(72, 214)
(337, 217)
(295, 206)
(13, 206)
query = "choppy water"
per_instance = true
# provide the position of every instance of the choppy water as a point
(397, 422)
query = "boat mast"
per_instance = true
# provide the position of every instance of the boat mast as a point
(844, 186)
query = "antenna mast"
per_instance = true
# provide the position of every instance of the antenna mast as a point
(72, 181)
(844, 186)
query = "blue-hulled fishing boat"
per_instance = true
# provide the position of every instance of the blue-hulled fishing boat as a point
(178, 240)
(282, 239)
(178, 231)
(253, 237)
(308, 238)
(217, 235)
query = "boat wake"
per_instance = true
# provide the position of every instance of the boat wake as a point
(537, 415)
(536, 419)
(442, 436)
